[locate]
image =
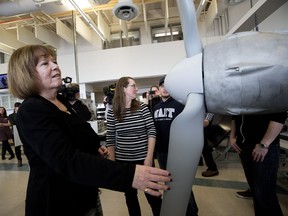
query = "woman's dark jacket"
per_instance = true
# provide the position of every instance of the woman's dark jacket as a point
(65, 168)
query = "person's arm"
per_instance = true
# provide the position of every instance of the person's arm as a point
(208, 119)
(5, 124)
(273, 130)
(151, 131)
(110, 135)
(11, 119)
(82, 110)
(150, 153)
(233, 136)
(46, 132)
(261, 149)
(111, 153)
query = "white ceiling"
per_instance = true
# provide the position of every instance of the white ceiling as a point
(28, 14)
(27, 11)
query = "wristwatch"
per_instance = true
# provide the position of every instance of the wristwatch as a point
(264, 146)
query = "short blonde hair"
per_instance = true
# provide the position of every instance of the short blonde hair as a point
(22, 74)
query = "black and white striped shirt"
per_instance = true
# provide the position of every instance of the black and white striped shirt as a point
(130, 136)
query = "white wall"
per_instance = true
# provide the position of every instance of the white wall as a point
(278, 21)
(3, 68)
(67, 65)
(137, 61)
(144, 60)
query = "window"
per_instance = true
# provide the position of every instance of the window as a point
(172, 33)
(118, 39)
(7, 101)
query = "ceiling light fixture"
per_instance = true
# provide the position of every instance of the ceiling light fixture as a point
(166, 34)
(125, 10)
(87, 19)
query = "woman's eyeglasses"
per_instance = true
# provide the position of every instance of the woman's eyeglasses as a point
(132, 85)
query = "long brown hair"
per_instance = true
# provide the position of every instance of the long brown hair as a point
(119, 99)
(4, 113)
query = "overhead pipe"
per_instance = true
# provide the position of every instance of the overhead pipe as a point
(145, 17)
(166, 17)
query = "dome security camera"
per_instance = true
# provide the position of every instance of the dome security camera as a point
(126, 10)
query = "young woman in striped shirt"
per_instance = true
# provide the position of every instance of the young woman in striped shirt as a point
(131, 137)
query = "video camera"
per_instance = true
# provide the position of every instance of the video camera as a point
(68, 90)
(109, 92)
(151, 92)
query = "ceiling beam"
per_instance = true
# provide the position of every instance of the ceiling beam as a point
(258, 13)
(47, 36)
(26, 36)
(9, 39)
(64, 32)
(83, 30)
(5, 49)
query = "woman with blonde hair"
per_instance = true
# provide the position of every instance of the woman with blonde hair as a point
(67, 163)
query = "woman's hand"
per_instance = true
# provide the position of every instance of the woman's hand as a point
(111, 153)
(103, 151)
(150, 180)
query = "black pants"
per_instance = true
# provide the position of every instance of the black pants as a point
(262, 179)
(208, 157)
(18, 152)
(6, 147)
(133, 203)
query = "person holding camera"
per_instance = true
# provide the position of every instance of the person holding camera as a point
(73, 96)
(109, 95)
(154, 97)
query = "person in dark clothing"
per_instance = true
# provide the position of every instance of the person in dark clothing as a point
(154, 97)
(74, 99)
(212, 169)
(12, 120)
(164, 113)
(67, 163)
(256, 139)
(5, 134)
